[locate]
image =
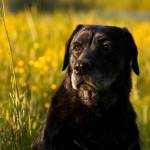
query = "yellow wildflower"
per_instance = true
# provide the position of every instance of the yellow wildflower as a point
(21, 70)
(37, 64)
(42, 59)
(23, 84)
(45, 68)
(20, 63)
(34, 88)
(46, 105)
(53, 86)
(36, 45)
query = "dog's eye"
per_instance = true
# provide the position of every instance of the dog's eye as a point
(76, 47)
(107, 47)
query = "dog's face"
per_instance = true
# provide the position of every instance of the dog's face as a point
(98, 55)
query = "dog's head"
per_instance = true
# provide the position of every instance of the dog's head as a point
(98, 55)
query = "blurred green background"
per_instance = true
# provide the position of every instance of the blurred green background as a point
(31, 59)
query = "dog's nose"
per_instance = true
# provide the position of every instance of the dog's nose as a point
(81, 67)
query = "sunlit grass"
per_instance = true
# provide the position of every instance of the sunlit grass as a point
(29, 80)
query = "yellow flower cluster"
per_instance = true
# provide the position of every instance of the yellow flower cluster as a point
(43, 63)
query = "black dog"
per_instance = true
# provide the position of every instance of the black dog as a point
(91, 109)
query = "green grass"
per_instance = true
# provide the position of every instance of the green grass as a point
(31, 55)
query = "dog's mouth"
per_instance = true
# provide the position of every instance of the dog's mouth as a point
(88, 86)
(80, 83)
(87, 89)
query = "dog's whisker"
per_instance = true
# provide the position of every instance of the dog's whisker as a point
(80, 145)
(132, 146)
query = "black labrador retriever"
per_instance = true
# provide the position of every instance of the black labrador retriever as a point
(91, 110)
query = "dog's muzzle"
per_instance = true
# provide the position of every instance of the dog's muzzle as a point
(80, 76)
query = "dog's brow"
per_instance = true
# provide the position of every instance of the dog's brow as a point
(82, 38)
(101, 37)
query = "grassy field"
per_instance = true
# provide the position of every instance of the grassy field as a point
(30, 71)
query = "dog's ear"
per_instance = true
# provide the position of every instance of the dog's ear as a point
(132, 49)
(67, 47)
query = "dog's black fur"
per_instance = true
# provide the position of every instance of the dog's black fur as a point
(91, 110)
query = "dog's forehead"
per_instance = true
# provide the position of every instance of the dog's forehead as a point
(102, 29)
(98, 31)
